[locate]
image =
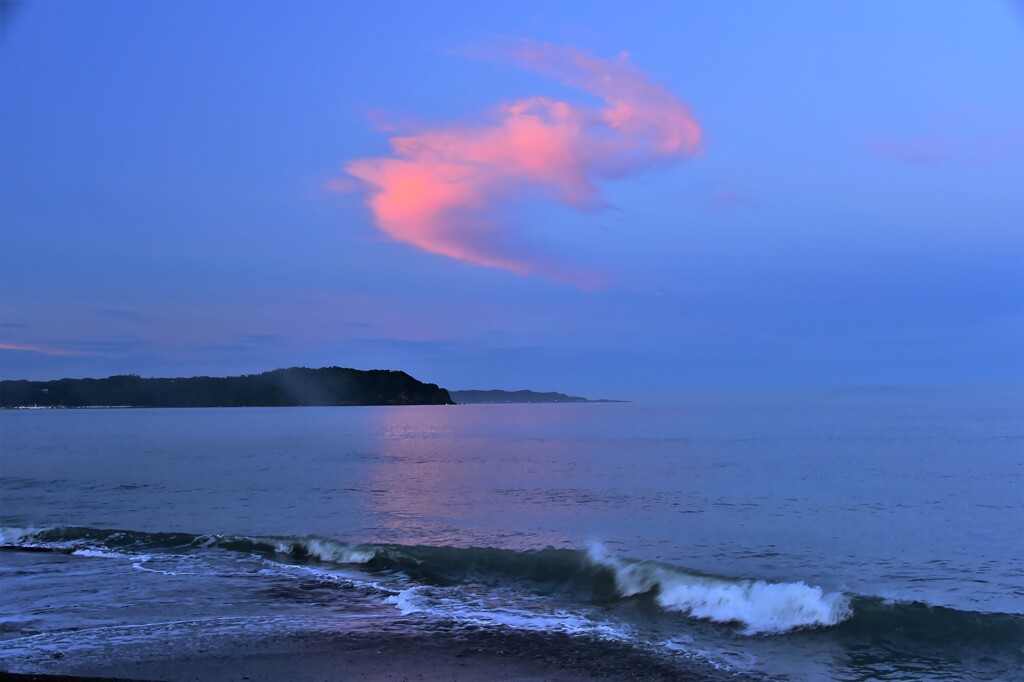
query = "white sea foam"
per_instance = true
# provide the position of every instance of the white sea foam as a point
(167, 564)
(347, 578)
(413, 600)
(329, 550)
(326, 550)
(761, 607)
(11, 536)
(106, 554)
(489, 608)
(28, 538)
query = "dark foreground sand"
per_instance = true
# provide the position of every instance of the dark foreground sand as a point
(476, 657)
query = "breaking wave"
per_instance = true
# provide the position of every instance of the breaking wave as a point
(752, 606)
(761, 607)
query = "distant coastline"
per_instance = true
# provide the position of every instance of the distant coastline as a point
(292, 387)
(498, 396)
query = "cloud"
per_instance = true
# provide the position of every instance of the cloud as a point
(443, 188)
(41, 350)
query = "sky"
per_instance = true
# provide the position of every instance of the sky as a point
(622, 200)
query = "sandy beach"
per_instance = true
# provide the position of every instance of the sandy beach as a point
(516, 657)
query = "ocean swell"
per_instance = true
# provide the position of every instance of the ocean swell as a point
(759, 607)
(450, 580)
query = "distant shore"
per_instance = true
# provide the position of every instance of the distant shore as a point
(496, 396)
(292, 387)
(472, 657)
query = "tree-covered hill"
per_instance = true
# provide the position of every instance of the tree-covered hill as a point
(296, 386)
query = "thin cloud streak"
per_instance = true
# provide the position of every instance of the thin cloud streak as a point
(36, 349)
(443, 188)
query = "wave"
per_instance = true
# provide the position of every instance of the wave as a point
(755, 607)
(761, 607)
(81, 540)
(920, 623)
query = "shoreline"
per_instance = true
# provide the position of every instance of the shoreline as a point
(477, 656)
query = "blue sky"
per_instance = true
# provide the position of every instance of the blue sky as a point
(851, 217)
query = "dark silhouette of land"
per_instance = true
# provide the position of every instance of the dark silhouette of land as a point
(497, 396)
(296, 386)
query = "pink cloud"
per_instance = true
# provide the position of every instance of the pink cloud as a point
(443, 188)
(35, 349)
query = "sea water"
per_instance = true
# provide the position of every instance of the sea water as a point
(849, 535)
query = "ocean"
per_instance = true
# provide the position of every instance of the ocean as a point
(819, 535)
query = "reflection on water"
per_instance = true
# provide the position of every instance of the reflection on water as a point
(435, 483)
(533, 476)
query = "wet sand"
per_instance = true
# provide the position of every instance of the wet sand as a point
(483, 656)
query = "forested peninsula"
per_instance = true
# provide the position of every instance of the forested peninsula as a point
(296, 386)
(498, 396)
